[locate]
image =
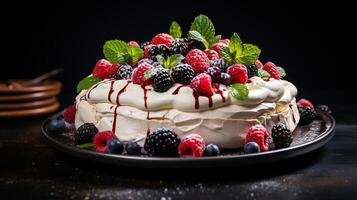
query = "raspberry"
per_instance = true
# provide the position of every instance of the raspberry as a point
(101, 139)
(162, 142)
(307, 115)
(282, 136)
(238, 73)
(183, 73)
(133, 44)
(158, 50)
(124, 72)
(224, 41)
(211, 54)
(147, 50)
(259, 64)
(138, 74)
(104, 69)
(144, 44)
(324, 108)
(85, 133)
(221, 64)
(162, 80)
(271, 69)
(258, 134)
(198, 60)
(202, 84)
(252, 70)
(305, 103)
(180, 46)
(215, 73)
(145, 60)
(162, 38)
(192, 145)
(217, 47)
(70, 114)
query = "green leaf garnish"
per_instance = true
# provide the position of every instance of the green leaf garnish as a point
(195, 35)
(203, 25)
(281, 72)
(226, 55)
(175, 30)
(238, 91)
(87, 83)
(85, 146)
(149, 74)
(171, 61)
(119, 52)
(263, 74)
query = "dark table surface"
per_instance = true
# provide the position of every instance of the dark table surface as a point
(30, 168)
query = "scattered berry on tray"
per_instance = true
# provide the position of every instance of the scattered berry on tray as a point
(211, 150)
(305, 103)
(324, 108)
(104, 69)
(198, 60)
(124, 72)
(281, 135)
(70, 114)
(101, 139)
(132, 148)
(192, 145)
(85, 133)
(56, 126)
(307, 115)
(115, 146)
(162, 142)
(258, 134)
(183, 73)
(251, 147)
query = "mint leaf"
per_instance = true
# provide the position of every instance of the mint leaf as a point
(87, 83)
(235, 45)
(115, 50)
(161, 60)
(195, 35)
(175, 30)
(205, 27)
(263, 74)
(173, 60)
(135, 53)
(218, 37)
(281, 72)
(226, 55)
(149, 74)
(85, 146)
(238, 91)
(249, 54)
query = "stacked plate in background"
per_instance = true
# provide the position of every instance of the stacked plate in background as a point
(17, 100)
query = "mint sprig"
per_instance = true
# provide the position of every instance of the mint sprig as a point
(119, 52)
(281, 72)
(263, 74)
(171, 61)
(87, 83)
(238, 52)
(238, 91)
(204, 26)
(175, 30)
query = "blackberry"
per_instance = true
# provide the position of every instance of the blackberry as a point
(282, 136)
(124, 72)
(162, 142)
(215, 73)
(85, 133)
(180, 46)
(324, 108)
(221, 64)
(195, 44)
(225, 79)
(162, 80)
(183, 73)
(158, 50)
(252, 70)
(307, 115)
(144, 44)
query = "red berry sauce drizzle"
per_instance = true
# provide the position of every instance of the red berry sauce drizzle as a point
(219, 91)
(111, 90)
(118, 104)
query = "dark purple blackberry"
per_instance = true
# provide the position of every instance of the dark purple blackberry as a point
(195, 44)
(162, 80)
(144, 44)
(179, 46)
(215, 73)
(324, 108)
(183, 73)
(252, 70)
(123, 72)
(282, 136)
(225, 79)
(221, 64)
(162, 142)
(85, 133)
(158, 50)
(307, 115)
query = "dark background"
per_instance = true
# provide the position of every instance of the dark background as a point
(312, 41)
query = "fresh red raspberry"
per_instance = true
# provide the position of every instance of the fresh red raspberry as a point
(138, 74)
(217, 47)
(238, 73)
(211, 54)
(202, 84)
(192, 145)
(259, 64)
(147, 51)
(258, 134)
(225, 41)
(70, 114)
(306, 103)
(271, 69)
(198, 60)
(104, 69)
(100, 141)
(133, 44)
(162, 38)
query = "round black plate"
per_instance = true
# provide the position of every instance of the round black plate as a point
(306, 139)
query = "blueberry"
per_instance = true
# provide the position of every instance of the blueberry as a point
(133, 148)
(56, 126)
(251, 147)
(225, 79)
(211, 150)
(115, 146)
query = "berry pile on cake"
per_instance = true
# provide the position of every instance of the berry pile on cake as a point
(186, 96)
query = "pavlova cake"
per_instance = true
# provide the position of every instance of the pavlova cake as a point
(184, 96)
